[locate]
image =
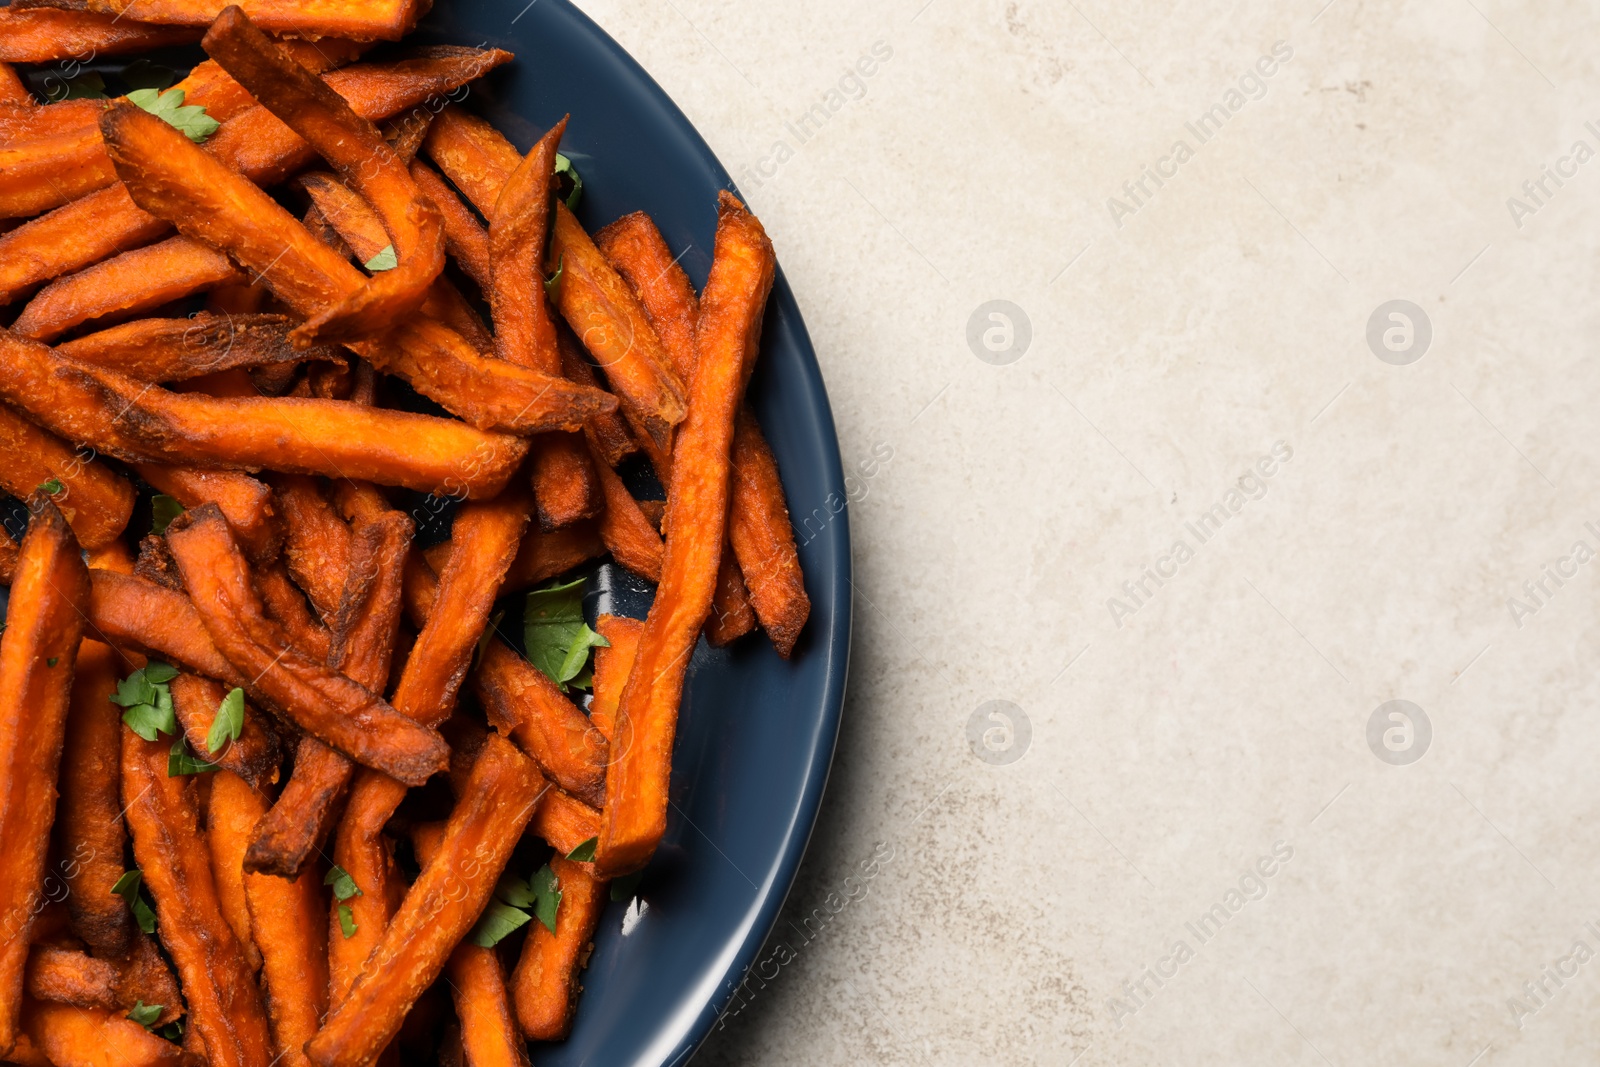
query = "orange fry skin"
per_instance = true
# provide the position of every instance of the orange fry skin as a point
(45, 34)
(318, 545)
(224, 1005)
(253, 755)
(359, 153)
(231, 814)
(612, 664)
(64, 1034)
(763, 538)
(45, 172)
(96, 502)
(441, 906)
(625, 529)
(635, 248)
(135, 615)
(12, 91)
(245, 501)
(564, 822)
(131, 283)
(67, 976)
(742, 272)
(464, 236)
(360, 847)
(525, 705)
(383, 20)
(323, 702)
(607, 431)
(44, 621)
(545, 986)
(172, 350)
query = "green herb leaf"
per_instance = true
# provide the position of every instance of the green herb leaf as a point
(144, 1014)
(514, 891)
(557, 638)
(173, 1031)
(548, 891)
(344, 886)
(52, 661)
(564, 167)
(160, 673)
(182, 760)
(584, 853)
(52, 486)
(191, 121)
(163, 509)
(496, 923)
(148, 701)
(552, 284)
(622, 889)
(127, 887)
(228, 724)
(347, 920)
(385, 260)
(87, 86)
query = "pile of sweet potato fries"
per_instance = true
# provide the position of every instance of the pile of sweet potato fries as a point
(248, 814)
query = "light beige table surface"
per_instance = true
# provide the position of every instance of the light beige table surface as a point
(1041, 894)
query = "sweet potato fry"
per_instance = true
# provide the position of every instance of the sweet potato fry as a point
(565, 822)
(286, 605)
(133, 282)
(637, 251)
(173, 350)
(141, 422)
(72, 237)
(245, 501)
(321, 701)
(253, 755)
(625, 530)
(224, 1005)
(67, 1035)
(67, 976)
(359, 153)
(45, 172)
(439, 909)
(96, 502)
(383, 20)
(763, 537)
(12, 91)
(231, 817)
(545, 986)
(525, 705)
(213, 88)
(364, 636)
(136, 615)
(318, 544)
(464, 236)
(173, 178)
(89, 813)
(607, 431)
(543, 555)
(45, 34)
(8, 557)
(44, 621)
(612, 665)
(742, 273)
(477, 987)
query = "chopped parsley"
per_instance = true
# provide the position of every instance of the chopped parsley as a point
(145, 1014)
(565, 169)
(558, 640)
(127, 887)
(228, 724)
(163, 509)
(191, 121)
(148, 701)
(384, 260)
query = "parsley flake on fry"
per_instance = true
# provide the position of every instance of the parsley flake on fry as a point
(148, 700)
(163, 509)
(496, 923)
(344, 886)
(52, 487)
(191, 121)
(384, 260)
(127, 887)
(228, 724)
(547, 892)
(145, 1014)
(557, 637)
(347, 921)
(584, 853)
(565, 169)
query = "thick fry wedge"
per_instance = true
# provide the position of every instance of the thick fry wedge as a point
(129, 284)
(231, 815)
(225, 1007)
(742, 273)
(45, 34)
(477, 988)
(464, 236)
(96, 502)
(565, 822)
(65, 1035)
(321, 701)
(67, 976)
(139, 422)
(89, 814)
(245, 501)
(383, 20)
(359, 153)
(612, 664)
(174, 350)
(545, 986)
(44, 621)
(439, 909)
(253, 755)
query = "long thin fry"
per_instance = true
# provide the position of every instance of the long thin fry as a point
(608, 430)
(45, 34)
(172, 350)
(697, 504)
(245, 501)
(323, 702)
(318, 545)
(523, 703)
(464, 236)
(565, 822)
(612, 665)
(362, 851)
(440, 907)
(96, 502)
(225, 1007)
(8, 557)
(231, 814)
(545, 986)
(625, 529)
(44, 621)
(136, 615)
(46, 172)
(384, 20)
(12, 91)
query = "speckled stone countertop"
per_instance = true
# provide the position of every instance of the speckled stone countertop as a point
(1214, 376)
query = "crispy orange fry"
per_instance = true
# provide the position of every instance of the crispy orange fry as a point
(12, 91)
(146, 976)
(136, 615)
(565, 822)
(545, 984)
(612, 665)
(355, 148)
(45, 172)
(72, 237)
(174, 178)
(171, 350)
(225, 1007)
(321, 701)
(318, 545)
(67, 976)
(96, 502)
(141, 422)
(638, 252)
(383, 20)
(625, 530)
(464, 236)
(742, 273)
(65, 1035)
(126, 285)
(8, 557)
(231, 816)
(366, 855)
(286, 605)
(439, 909)
(477, 988)
(44, 34)
(44, 621)
(607, 431)
(246, 501)
(253, 756)
(545, 554)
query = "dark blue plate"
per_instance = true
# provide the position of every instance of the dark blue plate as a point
(756, 734)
